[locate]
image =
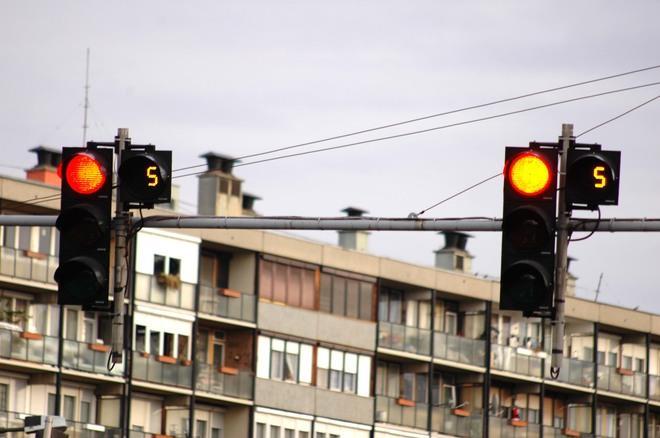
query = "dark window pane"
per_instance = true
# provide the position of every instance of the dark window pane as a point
(291, 367)
(395, 307)
(51, 404)
(235, 188)
(420, 388)
(44, 240)
(9, 237)
(182, 347)
(338, 296)
(279, 283)
(407, 385)
(168, 345)
(352, 298)
(24, 234)
(294, 287)
(266, 279)
(276, 364)
(159, 264)
(69, 407)
(154, 343)
(325, 302)
(206, 271)
(383, 305)
(175, 266)
(4, 396)
(366, 303)
(308, 289)
(140, 338)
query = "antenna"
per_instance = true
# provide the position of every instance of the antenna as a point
(600, 279)
(84, 139)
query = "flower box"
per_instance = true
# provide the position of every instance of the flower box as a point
(231, 293)
(625, 371)
(31, 336)
(166, 359)
(228, 370)
(102, 348)
(517, 423)
(185, 362)
(460, 412)
(571, 432)
(405, 402)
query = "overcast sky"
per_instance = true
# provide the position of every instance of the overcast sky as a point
(243, 77)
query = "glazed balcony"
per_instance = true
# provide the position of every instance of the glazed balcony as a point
(228, 382)
(92, 358)
(459, 349)
(167, 290)
(164, 370)
(404, 338)
(456, 421)
(27, 265)
(227, 303)
(574, 372)
(622, 381)
(505, 428)
(401, 412)
(505, 358)
(29, 347)
(75, 429)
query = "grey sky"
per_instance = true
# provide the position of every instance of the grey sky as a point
(243, 77)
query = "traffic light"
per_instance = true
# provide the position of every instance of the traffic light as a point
(592, 177)
(145, 176)
(528, 230)
(84, 224)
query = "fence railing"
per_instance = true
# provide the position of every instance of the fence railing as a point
(623, 381)
(459, 349)
(92, 358)
(446, 421)
(15, 263)
(503, 428)
(156, 289)
(75, 429)
(152, 369)
(508, 359)
(28, 347)
(404, 338)
(234, 385)
(574, 371)
(392, 411)
(214, 302)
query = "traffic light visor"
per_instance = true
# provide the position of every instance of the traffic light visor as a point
(529, 174)
(85, 174)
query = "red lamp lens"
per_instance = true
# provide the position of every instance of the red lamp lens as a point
(85, 174)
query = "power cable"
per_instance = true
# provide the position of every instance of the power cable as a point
(619, 116)
(454, 111)
(456, 194)
(436, 128)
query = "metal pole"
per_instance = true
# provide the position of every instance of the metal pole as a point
(561, 255)
(60, 359)
(121, 231)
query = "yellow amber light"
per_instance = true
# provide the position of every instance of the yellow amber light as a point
(529, 174)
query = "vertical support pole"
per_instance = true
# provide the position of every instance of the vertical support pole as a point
(486, 387)
(647, 383)
(60, 358)
(561, 255)
(542, 385)
(594, 399)
(193, 348)
(429, 392)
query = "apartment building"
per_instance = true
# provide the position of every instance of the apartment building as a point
(243, 333)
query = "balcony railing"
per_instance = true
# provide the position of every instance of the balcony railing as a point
(28, 347)
(503, 428)
(150, 288)
(459, 349)
(232, 385)
(160, 370)
(450, 422)
(574, 371)
(404, 338)
(216, 302)
(509, 359)
(92, 358)
(654, 388)
(395, 411)
(16, 263)
(75, 429)
(623, 381)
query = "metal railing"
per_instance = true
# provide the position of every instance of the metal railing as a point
(502, 428)
(81, 356)
(610, 379)
(149, 369)
(389, 410)
(213, 303)
(445, 421)
(404, 338)
(459, 349)
(654, 388)
(150, 288)
(15, 263)
(14, 345)
(75, 429)
(574, 371)
(508, 359)
(234, 385)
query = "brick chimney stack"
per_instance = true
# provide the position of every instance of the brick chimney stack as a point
(48, 159)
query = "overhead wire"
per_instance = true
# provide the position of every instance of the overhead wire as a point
(619, 116)
(445, 113)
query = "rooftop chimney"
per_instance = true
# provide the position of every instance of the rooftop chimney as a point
(46, 169)
(454, 255)
(354, 239)
(248, 204)
(219, 191)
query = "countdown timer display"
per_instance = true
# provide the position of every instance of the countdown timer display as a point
(592, 178)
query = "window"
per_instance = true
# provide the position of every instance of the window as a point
(85, 411)
(387, 379)
(340, 371)
(303, 434)
(89, 327)
(289, 433)
(626, 362)
(174, 266)
(291, 283)
(51, 403)
(389, 306)
(44, 240)
(274, 432)
(69, 406)
(168, 344)
(182, 347)
(261, 430)
(216, 432)
(612, 358)
(4, 394)
(9, 237)
(284, 360)
(24, 237)
(639, 365)
(459, 262)
(346, 294)
(154, 343)
(159, 264)
(71, 324)
(200, 426)
(140, 338)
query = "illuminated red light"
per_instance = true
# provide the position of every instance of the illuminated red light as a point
(529, 174)
(85, 174)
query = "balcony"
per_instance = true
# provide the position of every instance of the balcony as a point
(459, 349)
(574, 371)
(30, 347)
(28, 266)
(75, 429)
(233, 385)
(401, 412)
(163, 370)
(504, 428)
(92, 358)
(654, 388)
(404, 338)
(156, 290)
(227, 303)
(622, 381)
(456, 422)
(510, 359)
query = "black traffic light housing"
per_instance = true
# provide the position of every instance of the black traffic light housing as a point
(528, 239)
(145, 176)
(84, 224)
(592, 177)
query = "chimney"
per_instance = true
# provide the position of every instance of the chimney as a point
(46, 169)
(454, 256)
(219, 192)
(248, 204)
(354, 239)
